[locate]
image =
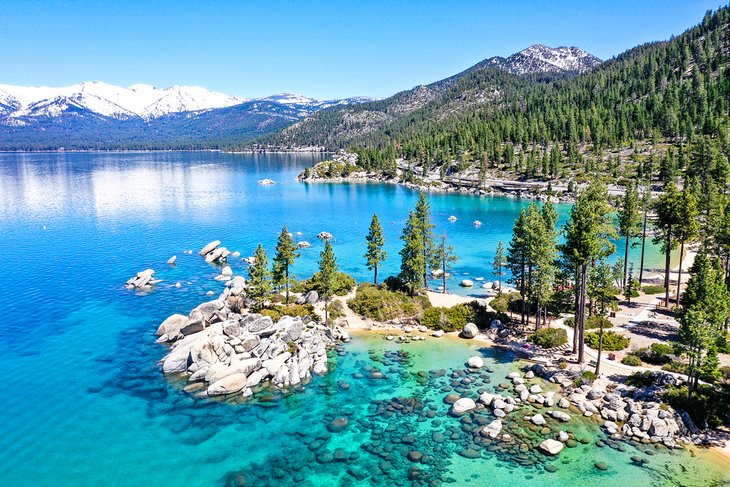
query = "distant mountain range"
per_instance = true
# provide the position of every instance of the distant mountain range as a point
(96, 115)
(99, 115)
(482, 85)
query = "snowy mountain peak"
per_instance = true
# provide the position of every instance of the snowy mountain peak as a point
(539, 58)
(139, 100)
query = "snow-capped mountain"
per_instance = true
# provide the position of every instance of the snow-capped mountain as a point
(140, 100)
(100, 115)
(539, 59)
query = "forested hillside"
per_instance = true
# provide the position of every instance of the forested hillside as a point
(643, 111)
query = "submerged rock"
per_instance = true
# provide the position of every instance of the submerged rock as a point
(551, 447)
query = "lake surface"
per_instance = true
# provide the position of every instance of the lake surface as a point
(84, 401)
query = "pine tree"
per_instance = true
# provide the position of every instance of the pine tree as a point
(444, 254)
(668, 214)
(327, 276)
(517, 260)
(375, 254)
(413, 262)
(259, 279)
(587, 238)
(286, 254)
(687, 229)
(705, 307)
(423, 217)
(628, 222)
(646, 206)
(498, 265)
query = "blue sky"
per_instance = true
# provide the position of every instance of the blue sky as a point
(324, 49)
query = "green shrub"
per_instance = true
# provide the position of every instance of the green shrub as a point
(454, 318)
(631, 360)
(503, 302)
(708, 404)
(549, 337)
(587, 377)
(563, 364)
(662, 348)
(657, 354)
(335, 310)
(382, 304)
(640, 379)
(654, 289)
(277, 311)
(594, 322)
(675, 366)
(611, 341)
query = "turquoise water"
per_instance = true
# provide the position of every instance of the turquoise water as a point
(83, 400)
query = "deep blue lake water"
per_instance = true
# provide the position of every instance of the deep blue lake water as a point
(83, 399)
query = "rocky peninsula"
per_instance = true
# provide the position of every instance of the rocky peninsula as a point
(222, 349)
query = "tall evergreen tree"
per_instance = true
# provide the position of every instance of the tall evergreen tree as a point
(668, 215)
(259, 279)
(687, 229)
(444, 254)
(517, 259)
(646, 206)
(423, 217)
(327, 276)
(375, 254)
(286, 254)
(498, 265)
(587, 238)
(629, 218)
(705, 308)
(413, 261)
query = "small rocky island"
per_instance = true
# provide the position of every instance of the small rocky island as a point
(224, 350)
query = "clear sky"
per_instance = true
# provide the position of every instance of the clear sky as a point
(324, 49)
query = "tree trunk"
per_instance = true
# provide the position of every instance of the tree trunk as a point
(522, 290)
(443, 280)
(626, 262)
(326, 316)
(537, 316)
(375, 277)
(286, 284)
(643, 246)
(582, 313)
(679, 278)
(600, 349)
(576, 287)
(666, 267)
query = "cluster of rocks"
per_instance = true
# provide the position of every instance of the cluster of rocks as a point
(143, 280)
(214, 253)
(324, 235)
(225, 352)
(303, 244)
(266, 182)
(627, 412)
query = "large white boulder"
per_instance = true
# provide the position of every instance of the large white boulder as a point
(463, 406)
(228, 385)
(551, 447)
(492, 429)
(475, 362)
(171, 326)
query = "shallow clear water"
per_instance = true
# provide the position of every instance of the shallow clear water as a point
(83, 400)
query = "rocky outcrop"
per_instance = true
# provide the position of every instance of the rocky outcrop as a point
(324, 235)
(143, 280)
(214, 253)
(236, 353)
